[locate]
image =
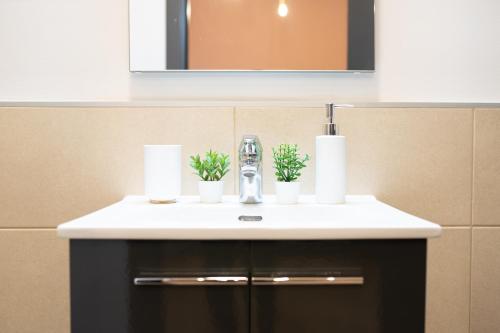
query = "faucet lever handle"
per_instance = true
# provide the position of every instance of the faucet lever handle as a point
(250, 149)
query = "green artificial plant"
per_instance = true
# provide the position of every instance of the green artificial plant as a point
(213, 167)
(288, 163)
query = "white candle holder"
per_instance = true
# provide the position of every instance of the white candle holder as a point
(162, 172)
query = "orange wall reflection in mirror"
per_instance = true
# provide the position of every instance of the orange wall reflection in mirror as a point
(249, 34)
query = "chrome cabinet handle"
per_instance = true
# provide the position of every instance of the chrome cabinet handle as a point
(307, 280)
(192, 281)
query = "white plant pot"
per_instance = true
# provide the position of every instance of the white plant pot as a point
(287, 193)
(211, 192)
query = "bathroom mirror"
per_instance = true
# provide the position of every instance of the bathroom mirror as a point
(241, 35)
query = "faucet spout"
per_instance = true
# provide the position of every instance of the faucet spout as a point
(250, 164)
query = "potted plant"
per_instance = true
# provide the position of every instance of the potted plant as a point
(211, 170)
(288, 163)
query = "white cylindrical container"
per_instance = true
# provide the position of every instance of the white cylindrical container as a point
(211, 191)
(162, 172)
(330, 169)
(287, 193)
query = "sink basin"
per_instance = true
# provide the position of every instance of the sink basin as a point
(362, 217)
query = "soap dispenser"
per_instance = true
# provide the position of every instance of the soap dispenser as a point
(331, 162)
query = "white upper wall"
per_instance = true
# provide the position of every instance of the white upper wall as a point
(426, 51)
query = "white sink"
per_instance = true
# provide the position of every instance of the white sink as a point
(362, 217)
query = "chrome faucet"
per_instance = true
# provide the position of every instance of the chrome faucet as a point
(250, 162)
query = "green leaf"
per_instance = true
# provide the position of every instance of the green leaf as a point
(288, 162)
(213, 167)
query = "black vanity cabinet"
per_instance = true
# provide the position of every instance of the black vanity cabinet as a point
(116, 286)
(378, 286)
(368, 286)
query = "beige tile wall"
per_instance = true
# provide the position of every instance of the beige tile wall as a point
(485, 280)
(485, 264)
(34, 282)
(58, 164)
(487, 167)
(430, 149)
(448, 286)
(440, 164)
(419, 160)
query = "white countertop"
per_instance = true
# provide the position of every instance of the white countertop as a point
(362, 217)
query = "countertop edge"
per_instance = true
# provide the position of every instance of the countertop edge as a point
(230, 234)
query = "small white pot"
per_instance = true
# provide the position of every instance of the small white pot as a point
(211, 192)
(287, 193)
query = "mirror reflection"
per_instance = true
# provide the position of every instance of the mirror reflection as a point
(288, 35)
(279, 35)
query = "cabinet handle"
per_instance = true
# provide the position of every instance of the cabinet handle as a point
(308, 280)
(192, 281)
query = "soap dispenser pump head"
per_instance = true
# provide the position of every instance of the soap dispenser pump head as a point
(330, 127)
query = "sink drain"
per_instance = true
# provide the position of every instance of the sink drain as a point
(250, 218)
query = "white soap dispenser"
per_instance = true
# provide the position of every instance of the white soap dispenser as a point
(331, 162)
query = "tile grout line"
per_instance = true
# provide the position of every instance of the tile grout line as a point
(234, 150)
(457, 226)
(27, 228)
(472, 214)
(470, 279)
(472, 166)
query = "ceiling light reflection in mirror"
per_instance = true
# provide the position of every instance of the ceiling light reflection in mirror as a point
(282, 8)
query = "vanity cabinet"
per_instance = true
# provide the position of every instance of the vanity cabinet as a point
(381, 286)
(107, 294)
(179, 286)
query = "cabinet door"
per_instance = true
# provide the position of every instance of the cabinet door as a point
(160, 286)
(338, 286)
